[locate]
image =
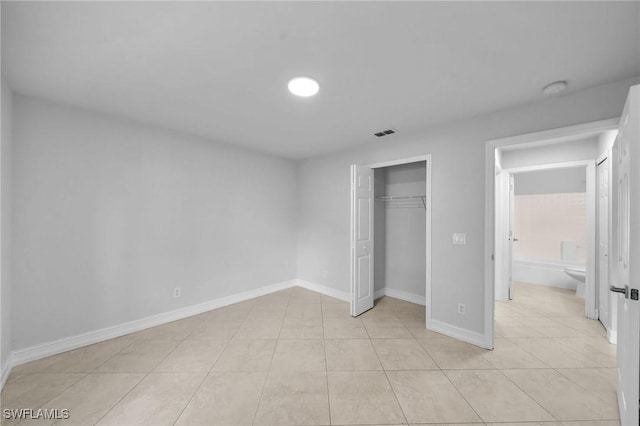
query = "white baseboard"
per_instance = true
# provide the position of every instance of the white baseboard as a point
(465, 335)
(55, 347)
(612, 337)
(327, 291)
(400, 294)
(7, 366)
(378, 294)
(345, 296)
(405, 295)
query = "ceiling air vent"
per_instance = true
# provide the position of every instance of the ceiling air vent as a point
(385, 133)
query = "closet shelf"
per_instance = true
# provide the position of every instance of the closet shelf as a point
(404, 201)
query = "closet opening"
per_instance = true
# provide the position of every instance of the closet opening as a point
(399, 232)
(391, 233)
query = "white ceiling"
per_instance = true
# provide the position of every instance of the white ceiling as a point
(220, 69)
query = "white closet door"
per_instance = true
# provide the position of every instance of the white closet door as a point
(362, 199)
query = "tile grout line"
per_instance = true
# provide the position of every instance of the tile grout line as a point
(527, 393)
(63, 390)
(393, 391)
(463, 397)
(326, 362)
(85, 374)
(203, 379)
(122, 397)
(442, 371)
(145, 374)
(268, 371)
(578, 384)
(526, 351)
(191, 398)
(137, 384)
(114, 355)
(558, 340)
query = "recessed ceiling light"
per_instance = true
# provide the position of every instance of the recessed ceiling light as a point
(303, 86)
(555, 87)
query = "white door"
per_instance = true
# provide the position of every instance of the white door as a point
(603, 245)
(512, 238)
(627, 262)
(362, 198)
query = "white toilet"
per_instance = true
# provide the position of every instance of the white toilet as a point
(572, 268)
(580, 275)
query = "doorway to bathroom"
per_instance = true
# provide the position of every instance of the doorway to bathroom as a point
(548, 222)
(547, 226)
(551, 233)
(612, 367)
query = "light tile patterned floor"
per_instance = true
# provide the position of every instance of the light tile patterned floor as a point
(297, 358)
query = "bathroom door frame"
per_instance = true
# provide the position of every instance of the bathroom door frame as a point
(537, 138)
(428, 207)
(506, 262)
(608, 318)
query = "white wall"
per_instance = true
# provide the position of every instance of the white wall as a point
(582, 149)
(111, 215)
(543, 221)
(405, 230)
(551, 181)
(458, 195)
(5, 227)
(550, 207)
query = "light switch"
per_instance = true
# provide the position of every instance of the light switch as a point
(459, 238)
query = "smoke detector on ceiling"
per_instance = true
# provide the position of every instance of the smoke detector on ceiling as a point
(555, 87)
(385, 133)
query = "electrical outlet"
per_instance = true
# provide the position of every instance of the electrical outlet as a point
(177, 292)
(324, 274)
(460, 238)
(462, 308)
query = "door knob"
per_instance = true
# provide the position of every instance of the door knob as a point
(624, 290)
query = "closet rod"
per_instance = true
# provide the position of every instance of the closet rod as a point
(403, 200)
(400, 197)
